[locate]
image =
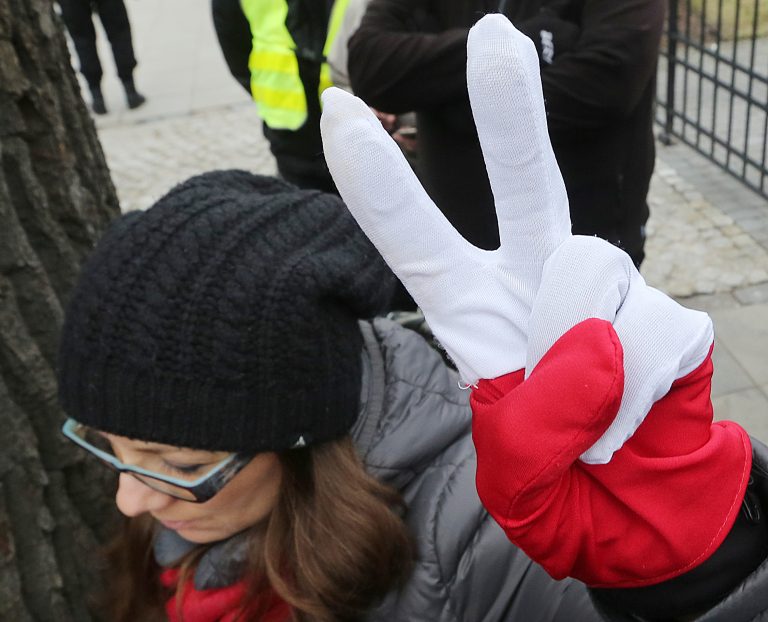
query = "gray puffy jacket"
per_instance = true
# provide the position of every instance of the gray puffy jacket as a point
(414, 434)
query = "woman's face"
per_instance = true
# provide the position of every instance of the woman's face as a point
(244, 501)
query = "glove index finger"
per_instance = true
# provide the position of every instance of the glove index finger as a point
(383, 194)
(508, 107)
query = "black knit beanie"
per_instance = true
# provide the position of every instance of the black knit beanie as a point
(225, 317)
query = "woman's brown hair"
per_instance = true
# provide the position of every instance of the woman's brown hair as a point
(334, 545)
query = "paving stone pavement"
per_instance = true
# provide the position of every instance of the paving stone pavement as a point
(146, 159)
(708, 234)
(702, 240)
(697, 244)
(694, 247)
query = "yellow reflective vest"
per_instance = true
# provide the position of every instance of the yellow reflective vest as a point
(275, 83)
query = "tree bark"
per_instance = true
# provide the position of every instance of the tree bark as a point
(56, 196)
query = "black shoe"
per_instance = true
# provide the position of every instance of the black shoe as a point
(134, 98)
(97, 102)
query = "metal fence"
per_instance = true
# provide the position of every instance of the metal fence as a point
(713, 84)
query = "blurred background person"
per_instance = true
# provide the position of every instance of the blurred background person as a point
(78, 17)
(598, 63)
(277, 51)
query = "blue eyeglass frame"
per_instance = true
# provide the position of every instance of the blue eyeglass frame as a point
(202, 489)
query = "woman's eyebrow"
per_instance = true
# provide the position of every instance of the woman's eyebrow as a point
(181, 453)
(146, 448)
(190, 454)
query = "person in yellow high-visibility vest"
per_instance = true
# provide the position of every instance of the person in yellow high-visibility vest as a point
(277, 51)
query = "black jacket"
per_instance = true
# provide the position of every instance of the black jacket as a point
(599, 93)
(414, 434)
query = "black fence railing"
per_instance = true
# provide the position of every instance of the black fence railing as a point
(713, 84)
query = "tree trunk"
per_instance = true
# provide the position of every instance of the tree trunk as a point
(56, 196)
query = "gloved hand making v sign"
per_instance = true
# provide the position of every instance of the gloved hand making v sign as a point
(596, 450)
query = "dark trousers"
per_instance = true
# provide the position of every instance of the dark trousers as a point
(78, 17)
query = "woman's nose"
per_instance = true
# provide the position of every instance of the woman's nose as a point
(134, 498)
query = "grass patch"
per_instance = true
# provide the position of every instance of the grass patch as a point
(728, 23)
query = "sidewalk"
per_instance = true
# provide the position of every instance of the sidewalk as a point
(708, 234)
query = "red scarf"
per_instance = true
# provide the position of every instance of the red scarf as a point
(216, 605)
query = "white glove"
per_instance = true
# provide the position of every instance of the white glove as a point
(486, 307)
(477, 302)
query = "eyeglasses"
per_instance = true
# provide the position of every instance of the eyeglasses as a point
(195, 483)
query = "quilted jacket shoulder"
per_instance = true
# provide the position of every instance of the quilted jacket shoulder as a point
(414, 433)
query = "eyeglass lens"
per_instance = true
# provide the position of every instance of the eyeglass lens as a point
(153, 462)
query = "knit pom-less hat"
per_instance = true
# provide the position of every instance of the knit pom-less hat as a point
(224, 317)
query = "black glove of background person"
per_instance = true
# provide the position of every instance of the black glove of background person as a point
(551, 33)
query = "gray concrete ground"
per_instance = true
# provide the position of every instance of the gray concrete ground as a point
(708, 234)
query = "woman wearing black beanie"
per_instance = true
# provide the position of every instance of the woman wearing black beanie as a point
(281, 457)
(284, 457)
